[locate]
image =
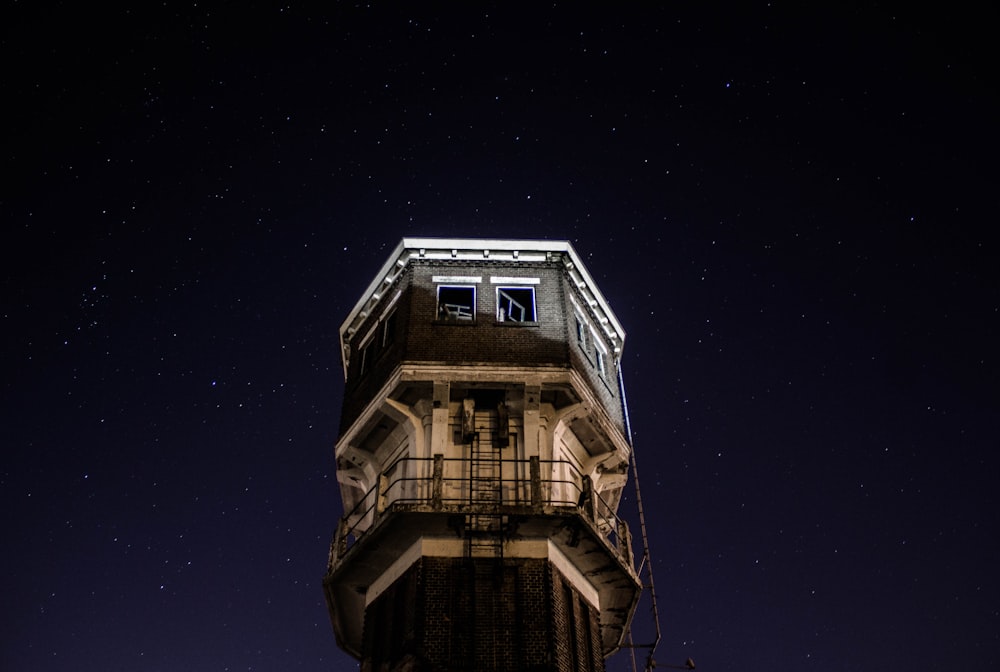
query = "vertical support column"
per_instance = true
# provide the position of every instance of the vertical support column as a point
(468, 420)
(532, 405)
(625, 543)
(439, 419)
(586, 502)
(426, 434)
(340, 541)
(536, 480)
(437, 481)
(382, 494)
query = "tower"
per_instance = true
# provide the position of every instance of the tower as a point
(481, 458)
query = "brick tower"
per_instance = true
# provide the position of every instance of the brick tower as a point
(482, 455)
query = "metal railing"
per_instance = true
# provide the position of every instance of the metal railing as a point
(529, 486)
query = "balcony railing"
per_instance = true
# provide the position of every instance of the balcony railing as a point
(503, 487)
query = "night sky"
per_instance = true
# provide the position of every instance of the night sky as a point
(792, 212)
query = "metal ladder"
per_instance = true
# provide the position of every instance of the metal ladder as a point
(484, 525)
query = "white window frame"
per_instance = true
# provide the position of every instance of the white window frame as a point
(600, 355)
(600, 362)
(385, 321)
(460, 317)
(503, 316)
(365, 354)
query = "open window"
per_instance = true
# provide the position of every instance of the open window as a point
(365, 356)
(581, 332)
(516, 304)
(389, 329)
(456, 303)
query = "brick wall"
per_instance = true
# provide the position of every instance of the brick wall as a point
(484, 339)
(576, 632)
(583, 359)
(419, 336)
(453, 614)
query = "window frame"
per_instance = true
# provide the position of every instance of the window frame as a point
(445, 317)
(582, 329)
(505, 317)
(388, 335)
(600, 362)
(366, 353)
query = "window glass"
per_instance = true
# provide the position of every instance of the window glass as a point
(365, 357)
(389, 329)
(456, 303)
(516, 304)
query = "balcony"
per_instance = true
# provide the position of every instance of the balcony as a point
(511, 489)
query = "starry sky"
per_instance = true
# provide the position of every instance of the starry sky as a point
(790, 211)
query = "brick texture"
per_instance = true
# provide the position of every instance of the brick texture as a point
(458, 615)
(417, 335)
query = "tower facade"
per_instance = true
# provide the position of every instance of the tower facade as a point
(481, 458)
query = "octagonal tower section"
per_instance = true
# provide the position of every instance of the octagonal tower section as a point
(481, 458)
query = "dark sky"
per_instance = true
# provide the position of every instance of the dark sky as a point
(792, 213)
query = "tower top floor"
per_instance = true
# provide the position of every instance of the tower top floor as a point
(443, 253)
